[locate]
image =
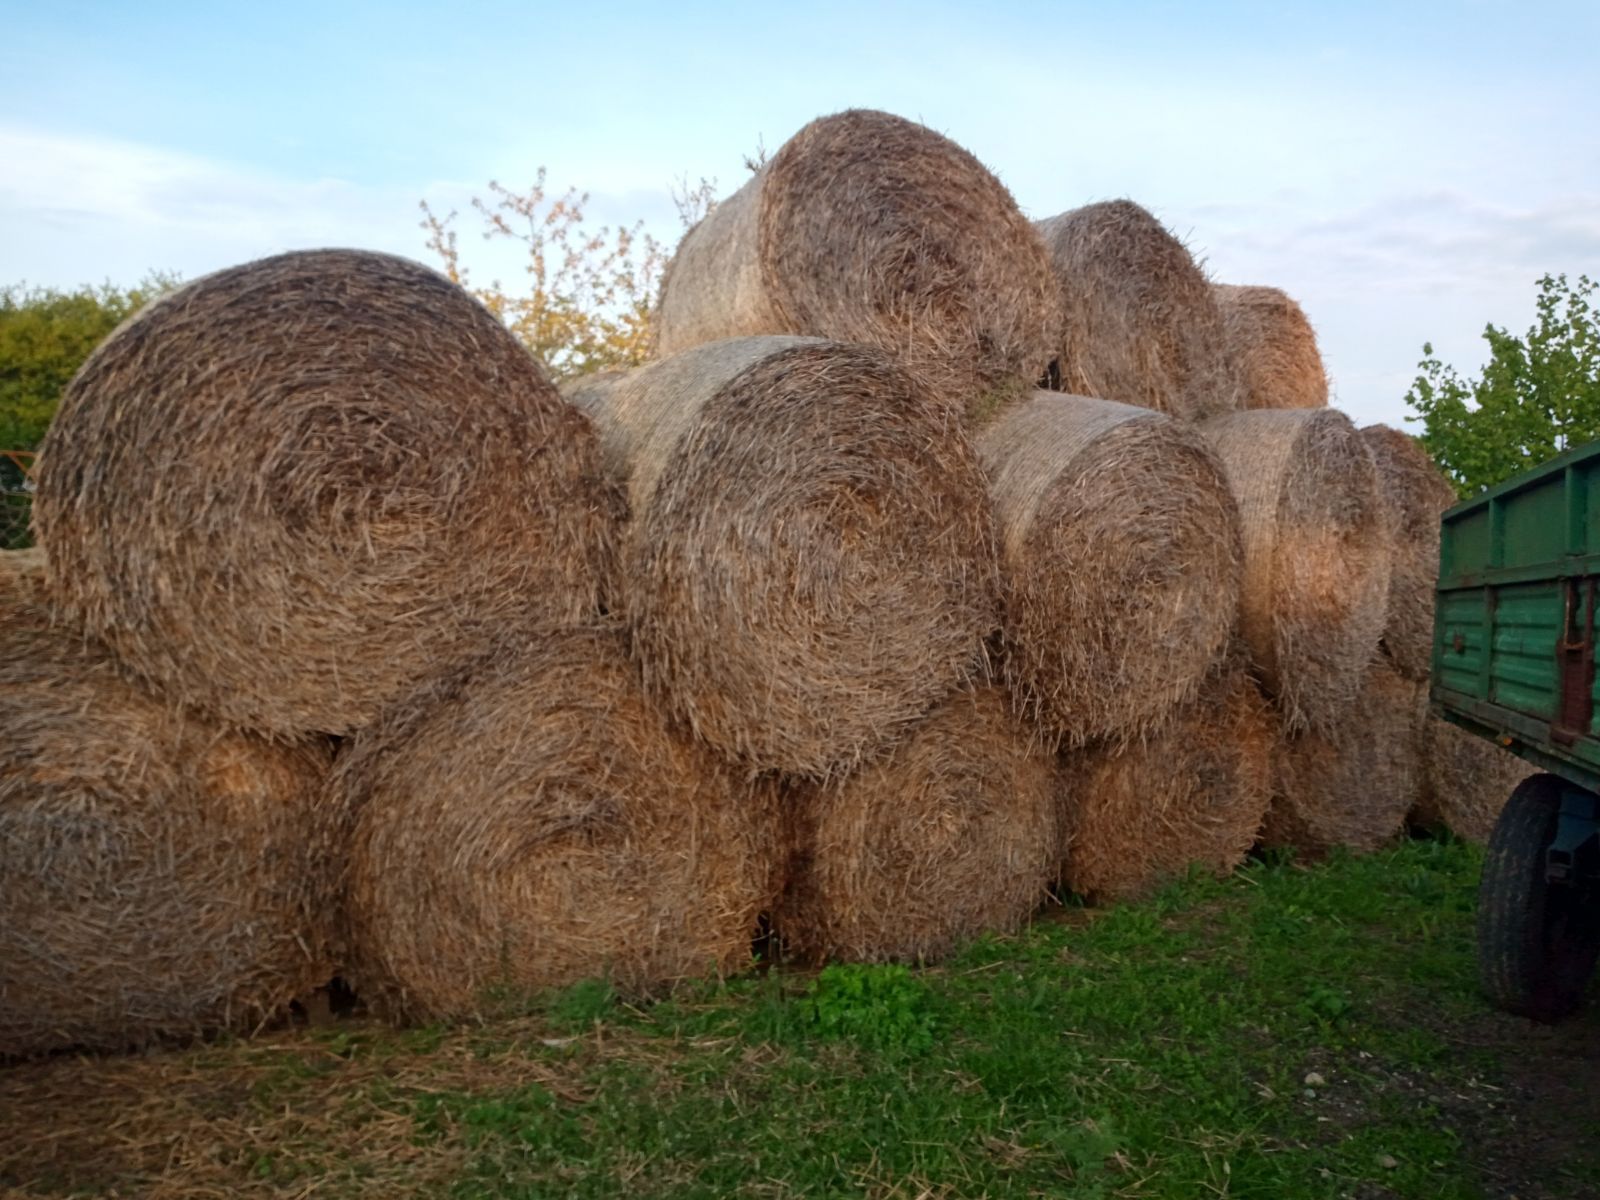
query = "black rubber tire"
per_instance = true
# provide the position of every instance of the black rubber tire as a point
(1537, 941)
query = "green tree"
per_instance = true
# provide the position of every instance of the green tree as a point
(1538, 394)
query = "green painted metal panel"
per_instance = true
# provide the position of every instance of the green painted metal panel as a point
(1534, 525)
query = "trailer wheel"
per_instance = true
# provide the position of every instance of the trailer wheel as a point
(1537, 941)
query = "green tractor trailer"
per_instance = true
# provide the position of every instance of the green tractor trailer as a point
(1514, 660)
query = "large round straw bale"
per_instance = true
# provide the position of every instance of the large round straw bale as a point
(1121, 556)
(869, 228)
(159, 876)
(1272, 347)
(1191, 795)
(1417, 496)
(1353, 788)
(1466, 780)
(532, 823)
(952, 834)
(1316, 556)
(811, 562)
(290, 490)
(1141, 324)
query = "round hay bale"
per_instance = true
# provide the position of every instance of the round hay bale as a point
(1353, 788)
(953, 834)
(1272, 347)
(1121, 556)
(1417, 496)
(1316, 556)
(1141, 323)
(533, 822)
(291, 490)
(1192, 795)
(160, 877)
(869, 228)
(1466, 780)
(811, 561)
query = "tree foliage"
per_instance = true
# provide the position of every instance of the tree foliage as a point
(585, 302)
(1538, 395)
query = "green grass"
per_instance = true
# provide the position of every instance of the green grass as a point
(1156, 1050)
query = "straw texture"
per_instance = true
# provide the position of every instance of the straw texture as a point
(1272, 347)
(869, 228)
(1141, 324)
(1121, 554)
(532, 822)
(811, 562)
(1465, 782)
(159, 877)
(1316, 556)
(290, 490)
(953, 834)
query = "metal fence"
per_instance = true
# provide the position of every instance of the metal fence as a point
(16, 499)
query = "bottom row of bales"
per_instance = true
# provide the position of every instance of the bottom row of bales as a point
(535, 820)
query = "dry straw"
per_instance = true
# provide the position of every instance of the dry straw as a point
(1417, 496)
(1354, 788)
(953, 834)
(1192, 795)
(1121, 556)
(532, 823)
(1273, 349)
(159, 877)
(1316, 556)
(1466, 780)
(292, 489)
(811, 561)
(869, 228)
(1141, 323)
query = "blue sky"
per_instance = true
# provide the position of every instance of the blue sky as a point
(1406, 171)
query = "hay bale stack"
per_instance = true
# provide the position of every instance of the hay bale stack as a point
(533, 822)
(1141, 323)
(159, 876)
(290, 490)
(1353, 788)
(951, 835)
(1417, 497)
(811, 561)
(1466, 780)
(1193, 794)
(1121, 556)
(869, 228)
(1316, 556)
(1272, 347)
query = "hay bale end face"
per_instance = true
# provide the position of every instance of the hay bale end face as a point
(811, 561)
(1466, 780)
(1272, 347)
(1316, 556)
(1121, 559)
(1353, 788)
(159, 876)
(533, 823)
(290, 490)
(951, 835)
(868, 228)
(1417, 496)
(1141, 324)
(1191, 795)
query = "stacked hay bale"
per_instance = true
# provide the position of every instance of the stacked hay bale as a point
(291, 490)
(1141, 323)
(950, 835)
(1465, 780)
(865, 227)
(1354, 785)
(1193, 794)
(810, 564)
(159, 875)
(1272, 347)
(1121, 557)
(1316, 557)
(531, 822)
